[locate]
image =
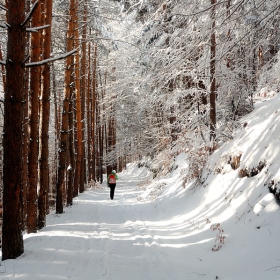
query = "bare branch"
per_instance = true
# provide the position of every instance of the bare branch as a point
(5, 26)
(51, 59)
(26, 59)
(30, 13)
(36, 29)
(3, 8)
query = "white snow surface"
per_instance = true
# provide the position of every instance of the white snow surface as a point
(160, 230)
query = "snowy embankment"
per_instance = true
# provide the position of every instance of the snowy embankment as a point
(155, 229)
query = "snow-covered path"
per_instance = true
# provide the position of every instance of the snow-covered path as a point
(134, 237)
(97, 238)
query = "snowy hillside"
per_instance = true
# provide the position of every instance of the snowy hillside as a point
(155, 229)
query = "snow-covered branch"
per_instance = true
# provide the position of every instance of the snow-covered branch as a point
(116, 40)
(5, 26)
(32, 10)
(2, 62)
(36, 29)
(51, 59)
(3, 7)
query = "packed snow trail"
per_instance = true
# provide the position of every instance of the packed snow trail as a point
(135, 237)
(97, 238)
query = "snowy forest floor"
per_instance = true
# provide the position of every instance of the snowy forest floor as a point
(155, 229)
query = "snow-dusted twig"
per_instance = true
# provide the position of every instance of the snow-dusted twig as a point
(3, 7)
(36, 29)
(273, 267)
(196, 273)
(32, 10)
(51, 59)
(5, 26)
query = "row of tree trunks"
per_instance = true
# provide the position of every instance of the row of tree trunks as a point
(28, 92)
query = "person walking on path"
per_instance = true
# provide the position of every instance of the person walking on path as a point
(112, 179)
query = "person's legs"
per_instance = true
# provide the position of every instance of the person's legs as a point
(112, 190)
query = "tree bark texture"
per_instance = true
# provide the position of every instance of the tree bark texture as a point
(88, 110)
(83, 88)
(93, 112)
(25, 130)
(35, 74)
(12, 164)
(44, 120)
(65, 117)
(3, 70)
(71, 156)
(79, 178)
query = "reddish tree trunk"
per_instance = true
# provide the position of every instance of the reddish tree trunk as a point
(44, 121)
(83, 89)
(79, 182)
(25, 129)
(64, 120)
(71, 158)
(93, 112)
(35, 75)
(88, 108)
(12, 164)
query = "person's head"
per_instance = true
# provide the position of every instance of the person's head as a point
(114, 171)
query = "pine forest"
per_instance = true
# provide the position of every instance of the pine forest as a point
(90, 86)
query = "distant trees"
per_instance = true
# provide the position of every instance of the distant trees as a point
(196, 66)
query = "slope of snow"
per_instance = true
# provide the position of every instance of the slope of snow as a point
(155, 229)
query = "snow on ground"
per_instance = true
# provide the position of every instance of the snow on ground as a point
(155, 229)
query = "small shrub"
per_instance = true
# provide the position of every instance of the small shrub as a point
(272, 186)
(197, 160)
(235, 161)
(92, 185)
(251, 172)
(220, 237)
(144, 183)
(243, 173)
